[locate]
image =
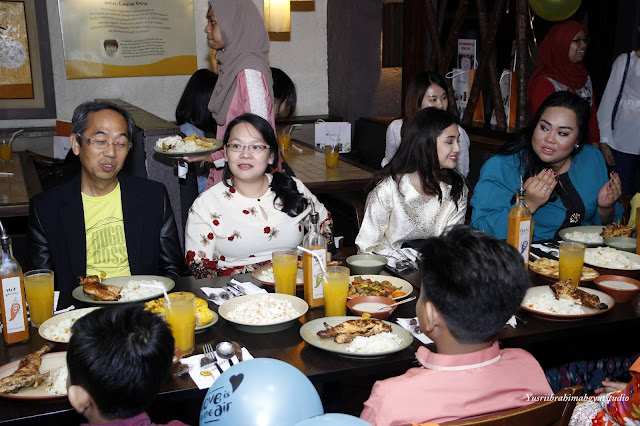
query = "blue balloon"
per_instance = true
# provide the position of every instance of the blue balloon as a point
(260, 391)
(333, 419)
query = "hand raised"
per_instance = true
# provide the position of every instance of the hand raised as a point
(539, 189)
(610, 191)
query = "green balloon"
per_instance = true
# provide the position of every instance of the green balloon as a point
(554, 10)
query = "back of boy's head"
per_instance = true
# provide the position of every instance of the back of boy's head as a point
(121, 356)
(474, 280)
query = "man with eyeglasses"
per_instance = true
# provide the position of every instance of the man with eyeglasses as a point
(101, 220)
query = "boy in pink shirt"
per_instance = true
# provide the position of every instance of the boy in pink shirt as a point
(471, 285)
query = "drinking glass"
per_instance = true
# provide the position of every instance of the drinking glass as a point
(285, 269)
(571, 261)
(336, 286)
(284, 140)
(39, 287)
(5, 151)
(181, 318)
(331, 155)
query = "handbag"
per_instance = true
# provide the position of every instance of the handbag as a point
(53, 171)
(624, 78)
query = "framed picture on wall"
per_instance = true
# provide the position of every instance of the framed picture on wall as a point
(26, 77)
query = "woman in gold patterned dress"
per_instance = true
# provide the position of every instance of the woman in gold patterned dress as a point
(420, 192)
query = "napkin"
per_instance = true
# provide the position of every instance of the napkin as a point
(248, 287)
(551, 250)
(406, 324)
(512, 321)
(205, 382)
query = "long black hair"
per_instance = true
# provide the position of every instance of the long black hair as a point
(418, 153)
(521, 142)
(193, 104)
(293, 203)
(284, 92)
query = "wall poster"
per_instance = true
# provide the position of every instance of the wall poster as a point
(125, 38)
(26, 80)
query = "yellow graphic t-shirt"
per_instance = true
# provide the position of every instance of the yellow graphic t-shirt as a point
(106, 242)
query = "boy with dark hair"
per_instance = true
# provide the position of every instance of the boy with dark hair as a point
(471, 285)
(118, 359)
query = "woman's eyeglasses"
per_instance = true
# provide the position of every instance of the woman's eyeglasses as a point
(254, 149)
(584, 41)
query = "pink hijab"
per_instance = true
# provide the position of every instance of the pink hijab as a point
(553, 57)
(246, 46)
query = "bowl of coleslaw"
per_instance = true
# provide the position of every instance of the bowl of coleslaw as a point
(263, 313)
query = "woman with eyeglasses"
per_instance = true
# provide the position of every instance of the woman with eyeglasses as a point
(233, 227)
(559, 67)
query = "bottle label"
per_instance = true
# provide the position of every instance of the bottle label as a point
(12, 309)
(316, 273)
(524, 235)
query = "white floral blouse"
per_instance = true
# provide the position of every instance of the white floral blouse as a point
(229, 233)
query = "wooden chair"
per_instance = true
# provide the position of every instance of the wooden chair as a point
(357, 206)
(544, 413)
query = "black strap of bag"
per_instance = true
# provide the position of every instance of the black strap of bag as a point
(624, 78)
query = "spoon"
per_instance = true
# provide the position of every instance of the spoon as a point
(397, 303)
(225, 350)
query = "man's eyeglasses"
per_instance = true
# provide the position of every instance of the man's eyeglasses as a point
(102, 144)
(581, 40)
(254, 149)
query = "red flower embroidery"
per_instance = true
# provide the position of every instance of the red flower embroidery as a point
(232, 190)
(210, 235)
(252, 255)
(299, 228)
(245, 211)
(267, 229)
(222, 258)
(190, 257)
(216, 223)
(210, 264)
(230, 238)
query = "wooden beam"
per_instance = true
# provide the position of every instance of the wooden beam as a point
(442, 8)
(452, 41)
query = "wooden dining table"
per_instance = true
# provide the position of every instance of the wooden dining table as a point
(308, 163)
(540, 336)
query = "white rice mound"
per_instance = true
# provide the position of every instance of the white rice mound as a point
(585, 237)
(134, 291)
(381, 342)
(61, 332)
(56, 383)
(607, 257)
(267, 276)
(547, 302)
(263, 310)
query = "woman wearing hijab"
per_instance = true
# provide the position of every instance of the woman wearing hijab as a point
(236, 30)
(559, 67)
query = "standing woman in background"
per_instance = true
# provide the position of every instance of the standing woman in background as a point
(426, 89)
(237, 31)
(619, 135)
(193, 116)
(559, 67)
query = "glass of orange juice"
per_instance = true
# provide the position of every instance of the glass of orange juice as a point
(181, 318)
(336, 286)
(39, 287)
(571, 261)
(284, 140)
(285, 269)
(331, 155)
(5, 151)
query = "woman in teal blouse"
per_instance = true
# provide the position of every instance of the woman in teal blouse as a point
(566, 182)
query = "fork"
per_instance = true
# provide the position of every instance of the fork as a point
(210, 353)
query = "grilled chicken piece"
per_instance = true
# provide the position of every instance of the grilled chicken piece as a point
(346, 331)
(28, 372)
(566, 290)
(98, 291)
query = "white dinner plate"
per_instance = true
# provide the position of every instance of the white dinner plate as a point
(57, 319)
(405, 286)
(586, 312)
(591, 229)
(298, 304)
(309, 333)
(50, 362)
(81, 296)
